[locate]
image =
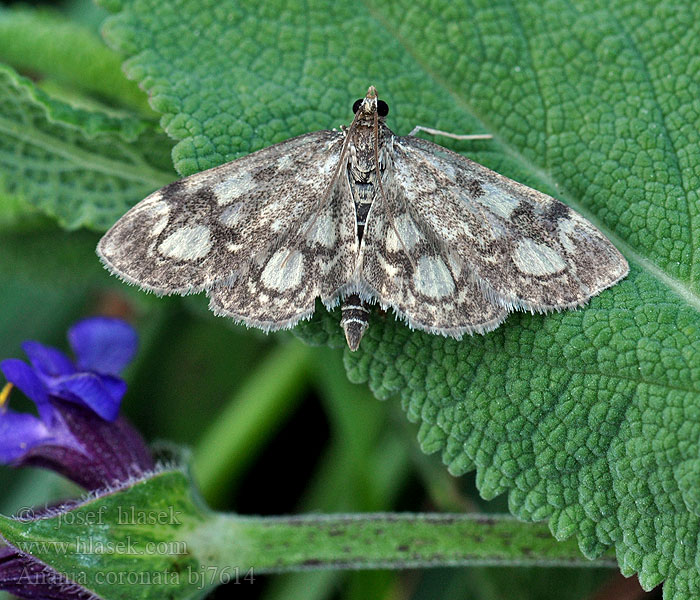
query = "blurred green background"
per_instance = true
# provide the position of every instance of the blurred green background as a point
(273, 424)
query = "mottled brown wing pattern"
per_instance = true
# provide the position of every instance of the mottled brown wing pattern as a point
(280, 286)
(524, 249)
(264, 235)
(205, 229)
(405, 266)
(362, 215)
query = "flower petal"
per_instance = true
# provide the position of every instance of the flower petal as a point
(23, 376)
(103, 344)
(48, 361)
(26, 577)
(101, 393)
(101, 454)
(19, 432)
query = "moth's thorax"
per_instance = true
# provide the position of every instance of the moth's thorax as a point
(365, 147)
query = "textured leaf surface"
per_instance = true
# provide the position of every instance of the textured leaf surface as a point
(588, 418)
(83, 167)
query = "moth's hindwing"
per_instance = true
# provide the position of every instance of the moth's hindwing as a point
(523, 249)
(314, 260)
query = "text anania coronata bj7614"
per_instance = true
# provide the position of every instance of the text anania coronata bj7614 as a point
(357, 217)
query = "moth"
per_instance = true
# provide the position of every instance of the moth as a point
(362, 216)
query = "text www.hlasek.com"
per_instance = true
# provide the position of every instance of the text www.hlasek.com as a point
(126, 546)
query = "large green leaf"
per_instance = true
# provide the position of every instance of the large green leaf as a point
(588, 418)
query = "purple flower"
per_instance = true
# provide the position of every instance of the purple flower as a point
(78, 431)
(103, 347)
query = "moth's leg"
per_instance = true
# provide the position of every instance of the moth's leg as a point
(454, 136)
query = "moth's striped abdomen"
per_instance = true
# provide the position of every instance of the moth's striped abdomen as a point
(354, 320)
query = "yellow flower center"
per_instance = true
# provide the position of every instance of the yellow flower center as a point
(4, 395)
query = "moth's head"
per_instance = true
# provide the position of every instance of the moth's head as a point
(365, 108)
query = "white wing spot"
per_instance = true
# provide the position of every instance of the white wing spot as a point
(323, 231)
(537, 259)
(232, 187)
(284, 162)
(432, 277)
(455, 264)
(159, 212)
(231, 215)
(284, 270)
(409, 233)
(567, 229)
(390, 270)
(441, 165)
(157, 229)
(190, 242)
(328, 166)
(497, 201)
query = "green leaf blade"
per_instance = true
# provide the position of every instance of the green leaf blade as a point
(586, 428)
(124, 543)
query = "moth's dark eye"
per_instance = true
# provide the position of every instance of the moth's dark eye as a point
(382, 108)
(356, 106)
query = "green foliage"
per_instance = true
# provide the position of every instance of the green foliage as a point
(47, 45)
(83, 167)
(586, 418)
(82, 162)
(579, 415)
(133, 536)
(151, 538)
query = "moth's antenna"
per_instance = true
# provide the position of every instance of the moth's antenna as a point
(454, 136)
